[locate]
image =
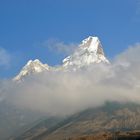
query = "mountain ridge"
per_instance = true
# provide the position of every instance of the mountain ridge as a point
(90, 51)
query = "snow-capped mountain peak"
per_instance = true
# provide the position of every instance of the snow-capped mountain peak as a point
(92, 44)
(32, 66)
(89, 51)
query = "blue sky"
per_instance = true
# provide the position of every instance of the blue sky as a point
(26, 24)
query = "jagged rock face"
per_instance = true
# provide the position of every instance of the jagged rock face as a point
(90, 51)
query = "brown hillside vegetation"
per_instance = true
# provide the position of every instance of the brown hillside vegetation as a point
(91, 124)
(133, 135)
(101, 136)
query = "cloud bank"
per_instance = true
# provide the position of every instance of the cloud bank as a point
(64, 93)
(4, 58)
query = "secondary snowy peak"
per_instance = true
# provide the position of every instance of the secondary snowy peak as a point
(30, 68)
(89, 51)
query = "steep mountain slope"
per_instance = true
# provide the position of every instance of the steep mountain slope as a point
(110, 117)
(37, 128)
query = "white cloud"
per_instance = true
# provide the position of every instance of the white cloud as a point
(61, 93)
(57, 46)
(4, 58)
